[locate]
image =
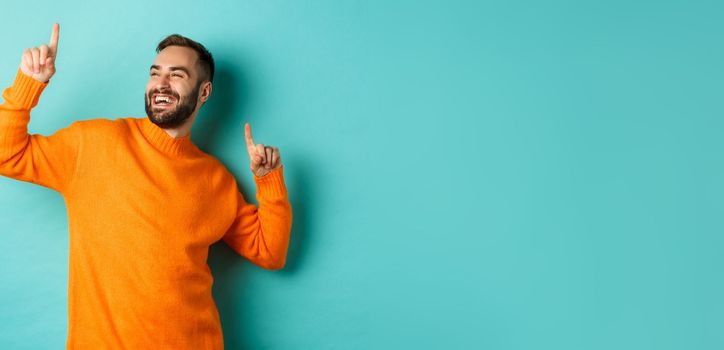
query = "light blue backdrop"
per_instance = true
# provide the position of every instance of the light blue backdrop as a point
(489, 175)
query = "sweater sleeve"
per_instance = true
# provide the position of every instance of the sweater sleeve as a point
(262, 234)
(48, 161)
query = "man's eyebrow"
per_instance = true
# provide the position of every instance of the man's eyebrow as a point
(181, 68)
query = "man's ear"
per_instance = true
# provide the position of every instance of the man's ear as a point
(205, 91)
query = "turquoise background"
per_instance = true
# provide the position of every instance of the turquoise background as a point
(464, 175)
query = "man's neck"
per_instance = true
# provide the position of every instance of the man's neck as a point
(181, 130)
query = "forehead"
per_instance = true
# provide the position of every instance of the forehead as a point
(176, 56)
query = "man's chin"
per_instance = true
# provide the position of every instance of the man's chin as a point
(161, 115)
(166, 120)
(159, 118)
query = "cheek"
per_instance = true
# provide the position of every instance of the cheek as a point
(182, 92)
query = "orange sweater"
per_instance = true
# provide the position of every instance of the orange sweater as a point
(143, 208)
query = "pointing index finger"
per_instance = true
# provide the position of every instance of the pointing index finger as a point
(54, 37)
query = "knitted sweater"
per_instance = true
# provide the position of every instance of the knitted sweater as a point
(143, 209)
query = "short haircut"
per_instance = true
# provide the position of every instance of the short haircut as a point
(206, 61)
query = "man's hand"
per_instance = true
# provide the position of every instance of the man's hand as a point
(39, 62)
(263, 158)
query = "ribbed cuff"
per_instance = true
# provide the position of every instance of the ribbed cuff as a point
(25, 92)
(272, 184)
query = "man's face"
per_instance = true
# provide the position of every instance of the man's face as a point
(173, 90)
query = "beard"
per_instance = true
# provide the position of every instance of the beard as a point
(172, 117)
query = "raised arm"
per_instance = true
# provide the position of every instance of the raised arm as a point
(45, 160)
(262, 234)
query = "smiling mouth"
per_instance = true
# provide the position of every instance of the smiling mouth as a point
(161, 105)
(163, 101)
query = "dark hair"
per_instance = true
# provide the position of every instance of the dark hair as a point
(206, 62)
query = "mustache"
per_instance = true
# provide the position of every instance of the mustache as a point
(165, 92)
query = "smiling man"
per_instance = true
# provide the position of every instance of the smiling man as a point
(171, 78)
(144, 204)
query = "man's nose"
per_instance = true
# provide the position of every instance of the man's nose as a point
(163, 84)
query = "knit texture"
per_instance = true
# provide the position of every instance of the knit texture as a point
(143, 209)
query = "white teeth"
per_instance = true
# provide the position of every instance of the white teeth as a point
(163, 99)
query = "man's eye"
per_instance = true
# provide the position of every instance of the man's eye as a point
(154, 73)
(176, 75)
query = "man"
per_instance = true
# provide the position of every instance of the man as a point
(144, 204)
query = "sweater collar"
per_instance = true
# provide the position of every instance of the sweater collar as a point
(178, 146)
